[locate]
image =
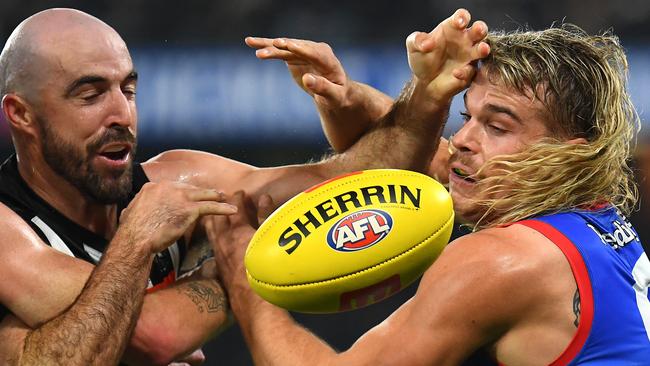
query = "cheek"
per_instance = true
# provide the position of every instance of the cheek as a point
(134, 118)
(503, 146)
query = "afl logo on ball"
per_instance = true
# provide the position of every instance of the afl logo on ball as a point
(359, 230)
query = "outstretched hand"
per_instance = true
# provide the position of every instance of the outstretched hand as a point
(445, 59)
(313, 66)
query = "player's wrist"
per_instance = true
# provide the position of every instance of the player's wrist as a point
(136, 244)
(429, 96)
(422, 113)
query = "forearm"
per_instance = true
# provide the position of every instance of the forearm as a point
(96, 328)
(274, 338)
(345, 124)
(405, 138)
(177, 320)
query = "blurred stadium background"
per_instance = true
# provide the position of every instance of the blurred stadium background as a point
(200, 87)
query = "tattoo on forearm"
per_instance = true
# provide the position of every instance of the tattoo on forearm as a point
(206, 298)
(576, 307)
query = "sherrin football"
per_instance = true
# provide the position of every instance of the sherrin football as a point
(350, 241)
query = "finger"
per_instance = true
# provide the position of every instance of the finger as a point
(238, 199)
(478, 31)
(265, 207)
(460, 19)
(258, 42)
(199, 194)
(320, 55)
(245, 214)
(215, 227)
(276, 54)
(480, 51)
(322, 86)
(196, 358)
(421, 42)
(465, 73)
(214, 208)
(286, 43)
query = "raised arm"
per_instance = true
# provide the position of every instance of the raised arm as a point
(95, 319)
(443, 64)
(405, 138)
(347, 108)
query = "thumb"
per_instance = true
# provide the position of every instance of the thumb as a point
(322, 87)
(419, 42)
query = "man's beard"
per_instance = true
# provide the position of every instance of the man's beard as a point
(70, 163)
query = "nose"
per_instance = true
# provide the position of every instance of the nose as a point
(121, 110)
(466, 139)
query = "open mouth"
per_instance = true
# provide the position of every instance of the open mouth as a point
(464, 175)
(116, 152)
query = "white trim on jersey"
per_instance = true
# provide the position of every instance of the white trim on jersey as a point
(52, 237)
(176, 256)
(95, 254)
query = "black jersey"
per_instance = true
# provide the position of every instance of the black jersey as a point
(68, 237)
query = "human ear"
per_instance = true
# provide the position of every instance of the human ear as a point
(18, 113)
(577, 140)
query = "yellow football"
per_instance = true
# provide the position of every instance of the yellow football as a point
(350, 241)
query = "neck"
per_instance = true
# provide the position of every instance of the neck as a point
(66, 198)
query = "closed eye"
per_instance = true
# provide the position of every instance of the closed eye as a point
(90, 96)
(496, 130)
(129, 93)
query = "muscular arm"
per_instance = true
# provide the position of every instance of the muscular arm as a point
(166, 327)
(177, 320)
(401, 140)
(45, 288)
(483, 289)
(104, 312)
(406, 137)
(347, 108)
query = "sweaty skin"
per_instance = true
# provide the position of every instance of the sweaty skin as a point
(74, 128)
(484, 291)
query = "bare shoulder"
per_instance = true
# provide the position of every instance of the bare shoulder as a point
(482, 287)
(497, 268)
(196, 167)
(512, 249)
(16, 234)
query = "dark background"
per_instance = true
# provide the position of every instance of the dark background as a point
(191, 56)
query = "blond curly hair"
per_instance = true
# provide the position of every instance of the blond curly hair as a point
(581, 81)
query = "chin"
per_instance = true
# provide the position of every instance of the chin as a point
(466, 213)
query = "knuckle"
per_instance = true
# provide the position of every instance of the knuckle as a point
(148, 186)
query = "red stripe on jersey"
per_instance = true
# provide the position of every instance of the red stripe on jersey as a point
(168, 280)
(581, 275)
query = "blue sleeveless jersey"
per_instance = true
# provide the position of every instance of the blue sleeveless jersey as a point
(613, 275)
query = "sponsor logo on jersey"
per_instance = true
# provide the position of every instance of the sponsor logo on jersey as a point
(359, 230)
(622, 235)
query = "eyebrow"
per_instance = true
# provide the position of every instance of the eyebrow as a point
(494, 108)
(93, 79)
